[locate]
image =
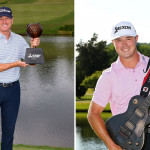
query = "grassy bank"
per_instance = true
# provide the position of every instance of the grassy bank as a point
(88, 95)
(29, 147)
(82, 104)
(53, 15)
(83, 116)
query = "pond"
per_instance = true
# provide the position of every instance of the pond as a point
(86, 139)
(46, 115)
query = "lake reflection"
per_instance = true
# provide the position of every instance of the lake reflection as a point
(46, 115)
(86, 139)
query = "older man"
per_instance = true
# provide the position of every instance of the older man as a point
(12, 49)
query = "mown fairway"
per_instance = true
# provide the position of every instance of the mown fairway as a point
(52, 14)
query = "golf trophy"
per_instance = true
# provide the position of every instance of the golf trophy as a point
(34, 55)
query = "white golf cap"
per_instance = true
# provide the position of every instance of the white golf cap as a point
(123, 28)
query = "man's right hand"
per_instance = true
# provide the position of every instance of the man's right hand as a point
(115, 147)
(98, 125)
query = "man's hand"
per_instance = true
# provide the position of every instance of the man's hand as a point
(98, 125)
(7, 66)
(21, 64)
(115, 147)
(34, 42)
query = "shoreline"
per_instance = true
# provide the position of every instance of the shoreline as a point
(86, 110)
(82, 106)
(37, 147)
(69, 35)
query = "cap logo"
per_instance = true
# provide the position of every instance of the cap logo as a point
(121, 27)
(4, 10)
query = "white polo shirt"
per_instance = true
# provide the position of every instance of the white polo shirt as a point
(11, 50)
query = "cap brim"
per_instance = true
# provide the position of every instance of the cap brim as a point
(1, 15)
(134, 35)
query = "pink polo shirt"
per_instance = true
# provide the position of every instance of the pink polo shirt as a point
(118, 84)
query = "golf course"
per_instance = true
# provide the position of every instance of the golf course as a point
(55, 16)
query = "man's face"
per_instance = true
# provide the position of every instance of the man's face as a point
(125, 46)
(5, 24)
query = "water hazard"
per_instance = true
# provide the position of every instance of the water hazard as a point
(46, 115)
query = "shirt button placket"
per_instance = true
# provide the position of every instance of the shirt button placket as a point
(134, 76)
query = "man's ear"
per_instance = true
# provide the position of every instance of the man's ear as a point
(12, 19)
(136, 38)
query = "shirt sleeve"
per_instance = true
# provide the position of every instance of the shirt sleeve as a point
(103, 89)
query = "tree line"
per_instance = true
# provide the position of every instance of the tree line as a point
(93, 57)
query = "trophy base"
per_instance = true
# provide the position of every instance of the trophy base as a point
(34, 56)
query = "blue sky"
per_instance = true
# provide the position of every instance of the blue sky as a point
(98, 16)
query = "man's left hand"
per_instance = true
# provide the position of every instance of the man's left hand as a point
(35, 42)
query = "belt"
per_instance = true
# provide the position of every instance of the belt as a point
(8, 84)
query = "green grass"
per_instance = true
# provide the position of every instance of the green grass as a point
(84, 98)
(82, 104)
(83, 116)
(52, 14)
(90, 91)
(16, 1)
(29, 147)
(88, 95)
